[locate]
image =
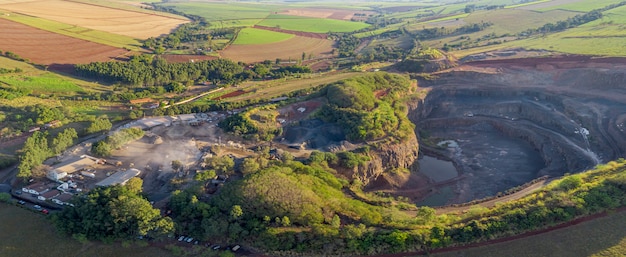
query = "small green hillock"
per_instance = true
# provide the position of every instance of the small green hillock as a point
(369, 107)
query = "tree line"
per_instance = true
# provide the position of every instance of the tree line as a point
(572, 21)
(112, 213)
(37, 149)
(144, 70)
(115, 141)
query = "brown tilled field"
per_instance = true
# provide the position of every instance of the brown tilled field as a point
(134, 24)
(292, 48)
(337, 14)
(43, 47)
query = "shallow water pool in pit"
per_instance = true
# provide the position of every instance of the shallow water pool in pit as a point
(437, 170)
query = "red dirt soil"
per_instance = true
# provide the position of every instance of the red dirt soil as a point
(293, 32)
(231, 94)
(567, 61)
(44, 47)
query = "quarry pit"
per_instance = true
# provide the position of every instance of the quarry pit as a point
(503, 123)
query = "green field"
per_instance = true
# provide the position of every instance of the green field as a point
(252, 36)
(41, 81)
(96, 36)
(275, 88)
(315, 25)
(601, 237)
(526, 4)
(582, 6)
(27, 234)
(46, 83)
(601, 37)
(224, 11)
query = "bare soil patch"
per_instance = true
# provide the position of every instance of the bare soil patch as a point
(124, 22)
(336, 14)
(231, 94)
(43, 47)
(288, 49)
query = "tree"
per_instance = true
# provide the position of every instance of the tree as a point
(5, 197)
(285, 221)
(223, 164)
(64, 140)
(205, 175)
(101, 148)
(34, 152)
(336, 222)
(249, 166)
(135, 185)
(236, 212)
(109, 213)
(100, 124)
(425, 214)
(177, 165)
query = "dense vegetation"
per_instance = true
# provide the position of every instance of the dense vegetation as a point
(258, 123)
(144, 70)
(573, 196)
(37, 149)
(369, 107)
(290, 207)
(110, 213)
(573, 21)
(115, 141)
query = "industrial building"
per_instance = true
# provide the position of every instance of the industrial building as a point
(119, 178)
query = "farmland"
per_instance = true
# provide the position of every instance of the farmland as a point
(271, 89)
(129, 23)
(581, 6)
(21, 228)
(36, 45)
(96, 36)
(601, 37)
(316, 25)
(252, 36)
(288, 49)
(601, 237)
(218, 12)
(337, 14)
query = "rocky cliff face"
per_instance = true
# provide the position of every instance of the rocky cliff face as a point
(387, 157)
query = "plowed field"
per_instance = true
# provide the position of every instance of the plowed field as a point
(134, 24)
(336, 14)
(43, 47)
(292, 48)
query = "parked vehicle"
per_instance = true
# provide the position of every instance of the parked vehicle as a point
(37, 207)
(21, 202)
(44, 211)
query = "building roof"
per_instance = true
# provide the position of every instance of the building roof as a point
(74, 165)
(35, 185)
(64, 197)
(186, 117)
(51, 193)
(119, 177)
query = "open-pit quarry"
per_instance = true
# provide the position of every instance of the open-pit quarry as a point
(503, 123)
